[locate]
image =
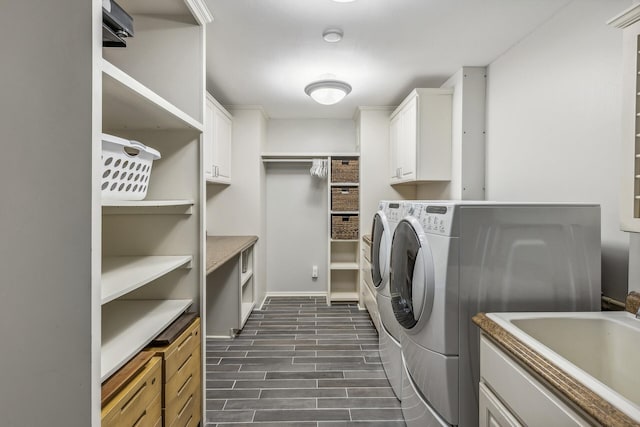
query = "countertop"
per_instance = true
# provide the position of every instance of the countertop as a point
(594, 405)
(367, 239)
(221, 249)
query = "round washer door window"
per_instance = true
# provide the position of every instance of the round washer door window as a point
(380, 249)
(412, 283)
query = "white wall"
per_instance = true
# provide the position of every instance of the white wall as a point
(297, 229)
(236, 209)
(373, 127)
(311, 135)
(553, 121)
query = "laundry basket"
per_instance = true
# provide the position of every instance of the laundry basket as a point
(126, 168)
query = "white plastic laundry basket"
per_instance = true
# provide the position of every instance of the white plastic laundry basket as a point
(126, 168)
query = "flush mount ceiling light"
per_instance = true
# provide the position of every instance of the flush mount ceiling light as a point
(327, 92)
(332, 35)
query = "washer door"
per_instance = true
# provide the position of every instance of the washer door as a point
(380, 249)
(412, 278)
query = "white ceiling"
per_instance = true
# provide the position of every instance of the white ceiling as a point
(264, 52)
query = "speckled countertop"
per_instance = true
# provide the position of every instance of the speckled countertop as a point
(594, 405)
(367, 239)
(221, 249)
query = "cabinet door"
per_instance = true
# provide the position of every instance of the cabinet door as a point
(208, 140)
(394, 135)
(492, 411)
(409, 139)
(222, 146)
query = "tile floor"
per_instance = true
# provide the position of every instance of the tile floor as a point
(299, 362)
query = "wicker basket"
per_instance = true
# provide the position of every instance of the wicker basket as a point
(344, 199)
(344, 227)
(344, 170)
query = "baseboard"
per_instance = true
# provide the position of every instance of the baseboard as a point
(295, 294)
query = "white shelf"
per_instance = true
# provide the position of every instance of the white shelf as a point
(345, 212)
(136, 207)
(345, 184)
(247, 308)
(121, 275)
(194, 8)
(344, 296)
(128, 326)
(344, 240)
(344, 266)
(128, 104)
(316, 155)
(244, 278)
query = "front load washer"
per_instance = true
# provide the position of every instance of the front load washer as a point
(384, 224)
(451, 260)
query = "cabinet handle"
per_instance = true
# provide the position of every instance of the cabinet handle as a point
(400, 172)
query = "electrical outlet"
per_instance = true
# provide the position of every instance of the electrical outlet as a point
(314, 272)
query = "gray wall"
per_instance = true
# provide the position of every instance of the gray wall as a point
(48, 134)
(553, 121)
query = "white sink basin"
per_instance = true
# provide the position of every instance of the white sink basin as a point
(601, 350)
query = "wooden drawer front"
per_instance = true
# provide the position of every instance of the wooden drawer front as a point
(128, 406)
(151, 416)
(179, 351)
(184, 385)
(188, 414)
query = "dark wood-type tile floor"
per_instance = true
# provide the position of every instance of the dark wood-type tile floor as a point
(298, 362)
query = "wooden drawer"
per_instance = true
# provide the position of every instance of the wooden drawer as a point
(184, 385)
(188, 414)
(176, 353)
(132, 405)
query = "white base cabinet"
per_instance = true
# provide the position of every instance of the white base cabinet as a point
(218, 133)
(420, 137)
(510, 395)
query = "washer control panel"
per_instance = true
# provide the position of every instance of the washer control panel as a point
(395, 212)
(434, 218)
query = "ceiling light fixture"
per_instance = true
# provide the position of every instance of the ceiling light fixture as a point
(332, 35)
(327, 92)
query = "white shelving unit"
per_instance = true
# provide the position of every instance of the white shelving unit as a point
(153, 91)
(344, 266)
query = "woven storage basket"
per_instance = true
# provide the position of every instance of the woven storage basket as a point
(344, 199)
(344, 170)
(126, 168)
(344, 227)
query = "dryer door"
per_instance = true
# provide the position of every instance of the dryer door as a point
(380, 249)
(412, 279)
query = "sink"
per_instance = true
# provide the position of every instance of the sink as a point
(599, 349)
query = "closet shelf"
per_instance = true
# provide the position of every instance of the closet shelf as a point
(197, 9)
(128, 326)
(344, 212)
(344, 266)
(121, 275)
(128, 104)
(344, 296)
(344, 240)
(345, 184)
(160, 207)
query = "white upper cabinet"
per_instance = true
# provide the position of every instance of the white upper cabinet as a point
(217, 142)
(420, 137)
(629, 21)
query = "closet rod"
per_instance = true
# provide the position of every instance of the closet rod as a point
(287, 160)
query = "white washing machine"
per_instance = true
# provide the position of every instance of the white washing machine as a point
(451, 260)
(384, 224)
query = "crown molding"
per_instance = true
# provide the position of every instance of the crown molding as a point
(626, 18)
